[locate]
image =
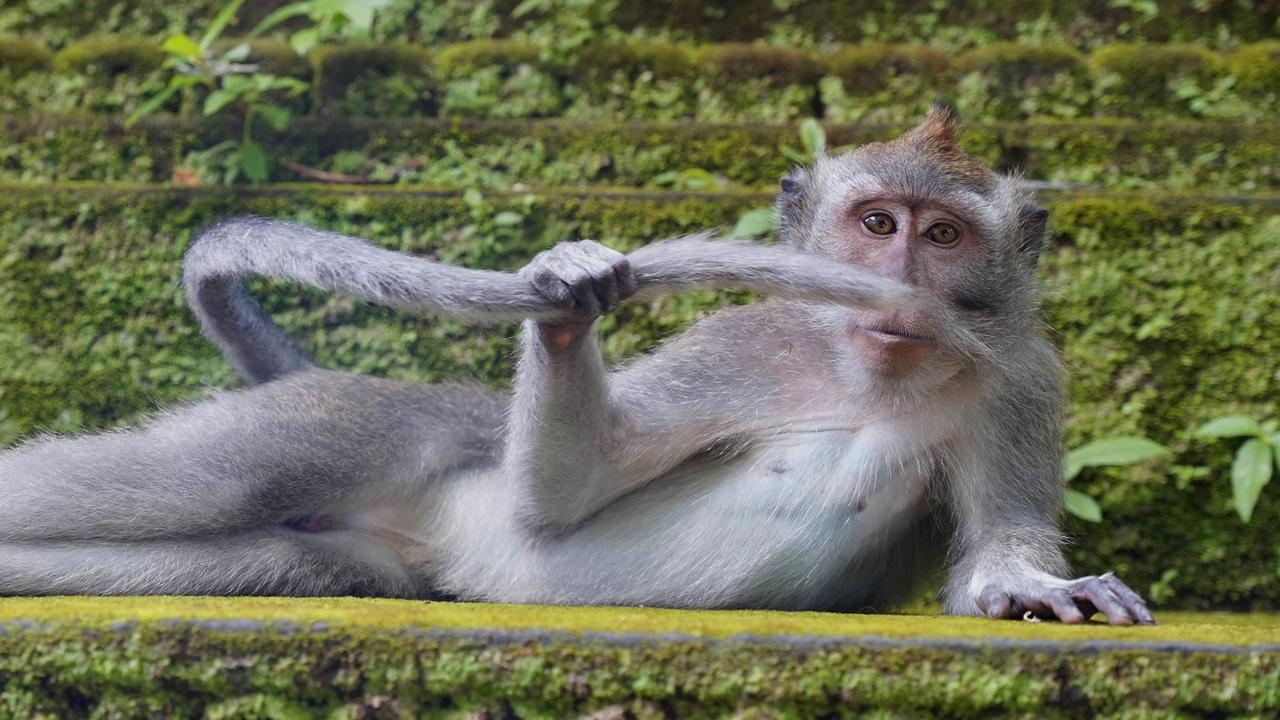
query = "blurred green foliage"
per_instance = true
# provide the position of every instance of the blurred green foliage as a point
(950, 26)
(727, 82)
(500, 153)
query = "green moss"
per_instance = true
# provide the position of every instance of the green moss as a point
(814, 21)
(497, 78)
(497, 154)
(373, 80)
(865, 69)
(600, 62)
(19, 56)
(1141, 81)
(111, 55)
(271, 56)
(731, 64)
(728, 82)
(1256, 69)
(462, 60)
(1010, 81)
(358, 658)
(379, 615)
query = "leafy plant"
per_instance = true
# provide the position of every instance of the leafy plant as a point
(1255, 457)
(813, 143)
(1121, 450)
(755, 222)
(233, 84)
(761, 221)
(349, 19)
(690, 179)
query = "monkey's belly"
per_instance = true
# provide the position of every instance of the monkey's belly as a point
(803, 520)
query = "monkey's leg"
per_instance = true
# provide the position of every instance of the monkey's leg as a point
(275, 561)
(313, 442)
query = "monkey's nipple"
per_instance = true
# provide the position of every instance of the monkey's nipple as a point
(313, 523)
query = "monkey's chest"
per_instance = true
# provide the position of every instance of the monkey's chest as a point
(801, 519)
(797, 520)
(825, 479)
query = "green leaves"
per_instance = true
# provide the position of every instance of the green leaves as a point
(329, 18)
(1120, 450)
(1249, 473)
(1255, 459)
(813, 137)
(253, 160)
(1230, 426)
(754, 223)
(220, 23)
(151, 105)
(181, 45)
(813, 140)
(217, 100)
(1081, 505)
(277, 117)
(689, 179)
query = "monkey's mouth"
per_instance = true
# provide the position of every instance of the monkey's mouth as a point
(891, 334)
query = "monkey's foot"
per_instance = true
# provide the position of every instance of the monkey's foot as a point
(1071, 601)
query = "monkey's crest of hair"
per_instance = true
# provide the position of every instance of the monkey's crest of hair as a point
(934, 140)
(926, 159)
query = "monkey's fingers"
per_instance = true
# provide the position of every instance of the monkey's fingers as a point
(996, 603)
(1062, 606)
(1052, 602)
(1094, 591)
(1133, 602)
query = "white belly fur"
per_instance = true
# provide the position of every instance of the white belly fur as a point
(776, 526)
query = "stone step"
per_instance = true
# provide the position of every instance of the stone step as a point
(502, 153)
(281, 657)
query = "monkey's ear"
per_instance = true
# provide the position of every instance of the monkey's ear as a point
(789, 202)
(1035, 220)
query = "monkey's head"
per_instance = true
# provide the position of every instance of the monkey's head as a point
(920, 210)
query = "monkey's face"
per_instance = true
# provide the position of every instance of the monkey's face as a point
(920, 211)
(928, 246)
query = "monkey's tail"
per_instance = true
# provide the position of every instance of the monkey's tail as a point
(221, 256)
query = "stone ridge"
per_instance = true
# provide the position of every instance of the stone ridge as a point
(346, 657)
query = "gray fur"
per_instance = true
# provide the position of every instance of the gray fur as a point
(754, 461)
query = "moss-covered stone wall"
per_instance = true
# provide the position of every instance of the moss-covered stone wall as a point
(351, 658)
(636, 79)
(1079, 24)
(499, 153)
(1165, 306)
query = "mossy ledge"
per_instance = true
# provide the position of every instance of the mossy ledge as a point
(1118, 153)
(356, 658)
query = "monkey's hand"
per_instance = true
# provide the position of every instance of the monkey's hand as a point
(584, 278)
(1071, 601)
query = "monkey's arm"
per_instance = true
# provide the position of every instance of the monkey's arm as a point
(220, 257)
(579, 437)
(1006, 498)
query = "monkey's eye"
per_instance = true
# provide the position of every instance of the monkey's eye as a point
(943, 234)
(879, 223)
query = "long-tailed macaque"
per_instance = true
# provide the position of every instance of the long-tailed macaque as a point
(892, 411)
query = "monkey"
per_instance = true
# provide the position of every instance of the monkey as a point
(890, 414)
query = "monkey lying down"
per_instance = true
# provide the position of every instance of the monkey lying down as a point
(893, 410)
